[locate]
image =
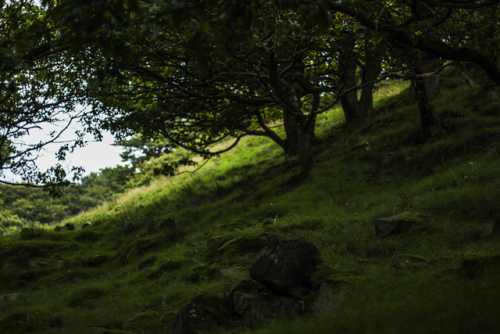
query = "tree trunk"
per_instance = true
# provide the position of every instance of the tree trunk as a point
(349, 101)
(292, 134)
(432, 83)
(411, 94)
(351, 119)
(373, 67)
(306, 134)
(426, 110)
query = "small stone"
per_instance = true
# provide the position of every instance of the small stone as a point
(361, 145)
(388, 226)
(70, 227)
(9, 297)
(234, 271)
(405, 261)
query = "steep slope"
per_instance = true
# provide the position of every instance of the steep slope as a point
(146, 255)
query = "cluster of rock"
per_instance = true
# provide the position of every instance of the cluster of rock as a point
(70, 227)
(281, 286)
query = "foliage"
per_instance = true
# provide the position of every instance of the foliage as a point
(42, 87)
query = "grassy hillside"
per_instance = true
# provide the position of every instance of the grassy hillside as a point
(125, 272)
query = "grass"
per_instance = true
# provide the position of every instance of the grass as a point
(124, 272)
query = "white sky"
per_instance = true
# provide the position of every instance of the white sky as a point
(94, 156)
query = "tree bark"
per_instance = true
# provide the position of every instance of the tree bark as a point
(373, 67)
(426, 110)
(432, 83)
(292, 134)
(349, 101)
(411, 93)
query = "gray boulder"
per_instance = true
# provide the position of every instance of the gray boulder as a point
(286, 267)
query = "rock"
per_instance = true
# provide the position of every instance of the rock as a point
(388, 226)
(214, 241)
(118, 208)
(475, 266)
(203, 313)
(87, 224)
(287, 266)
(257, 309)
(10, 297)
(361, 145)
(70, 227)
(248, 286)
(239, 246)
(90, 330)
(327, 300)
(234, 271)
(140, 206)
(405, 261)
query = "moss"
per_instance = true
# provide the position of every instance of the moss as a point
(33, 275)
(146, 262)
(200, 273)
(114, 331)
(98, 260)
(166, 266)
(167, 319)
(148, 321)
(325, 272)
(137, 247)
(86, 297)
(218, 306)
(222, 228)
(240, 246)
(35, 322)
(87, 236)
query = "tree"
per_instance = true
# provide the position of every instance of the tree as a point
(42, 87)
(199, 72)
(163, 90)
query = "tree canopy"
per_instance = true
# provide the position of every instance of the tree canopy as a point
(198, 72)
